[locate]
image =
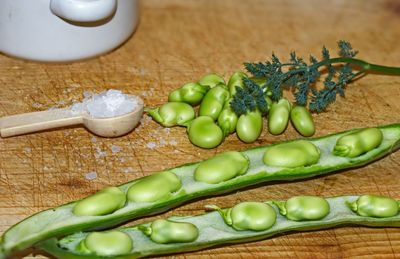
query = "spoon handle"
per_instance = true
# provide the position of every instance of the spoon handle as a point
(37, 121)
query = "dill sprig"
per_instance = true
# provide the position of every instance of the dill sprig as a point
(301, 77)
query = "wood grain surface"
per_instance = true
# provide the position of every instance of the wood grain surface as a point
(178, 41)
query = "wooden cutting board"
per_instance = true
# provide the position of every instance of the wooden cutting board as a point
(176, 42)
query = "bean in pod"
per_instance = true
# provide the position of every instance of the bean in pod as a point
(213, 102)
(190, 93)
(300, 208)
(227, 119)
(249, 126)
(167, 231)
(278, 116)
(249, 215)
(172, 114)
(302, 120)
(292, 154)
(221, 167)
(110, 243)
(211, 80)
(236, 80)
(103, 202)
(358, 143)
(154, 187)
(204, 132)
(375, 206)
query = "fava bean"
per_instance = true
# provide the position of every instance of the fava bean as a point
(375, 206)
(249, 126)
(236, 80)
(109, 243)
(172, 114)
(213, 102)
(204, 133)
(211, 80)
(300, 208)
(358, 143)
(302, 120)
(222, 167)
(292, 154)
(227, 119)
(190, 93)
(166, 231)
(249, 215)
(154, 187)
(278, 116)
(103, 202)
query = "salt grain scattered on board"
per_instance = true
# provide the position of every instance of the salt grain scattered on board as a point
(91, 175)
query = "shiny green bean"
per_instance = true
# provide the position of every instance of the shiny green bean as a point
(154, 187)
(172, 114)
(302, 120)
(358, 143)
(375, 206)
(236, 80)
(213, 102)
(103, 202)
(278, 116)
(292, 154)
(221, 167)
(204, 133)
(190, 93)
(109, 243)
(301, 208)
(227, 119)
(249, 126)
(211, 80)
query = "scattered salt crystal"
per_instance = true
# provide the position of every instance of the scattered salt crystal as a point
(28, 150)
(151, 145)
(115, 149)
(91, 175)
(162, 142)
(129, 170)
(87, 94)
(173, 142)
(167, 130)
(100, 153)
(121, 159)
(94, 139)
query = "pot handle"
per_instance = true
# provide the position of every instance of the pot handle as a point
(83, 10)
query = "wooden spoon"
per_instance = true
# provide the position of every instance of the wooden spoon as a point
(37, 121)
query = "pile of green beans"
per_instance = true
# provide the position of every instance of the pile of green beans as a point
(228, 171)
(245, 222)
(214, 97)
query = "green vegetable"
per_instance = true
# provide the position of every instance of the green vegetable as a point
(236, 80)
(292, 154)
(213, 102)
(214, 230)
(154, 187)
(227, 119)
(278, 116)
(60, 221)
(204, 133)
(108, 243)
(172, 114)
(357, 143)
(375, 206)
(211, 80)
(166, 231)
(103, 202)
(301, 77)
(304, 208)
(302, 120)
(221, 168)
(249, 126)
(191, 93)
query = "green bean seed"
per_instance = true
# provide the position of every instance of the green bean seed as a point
(204, 133)
(249, 126)
(255, 216)
(103, 202)
(375, 206)
(278, 116)
(300, 208)
(109, 243)
(154, 187)
(292, 154)
(221, 167)
(166, 231)
(190, 93)
(302, 121)
(213, 102)
(227, 119)
(172, 114)
(236, 80)
(358, 143)
(211, 80)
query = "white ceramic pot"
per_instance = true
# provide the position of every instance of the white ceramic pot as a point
(64, 30)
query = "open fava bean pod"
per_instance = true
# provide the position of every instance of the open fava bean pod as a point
(245, 222)
(167, 189)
